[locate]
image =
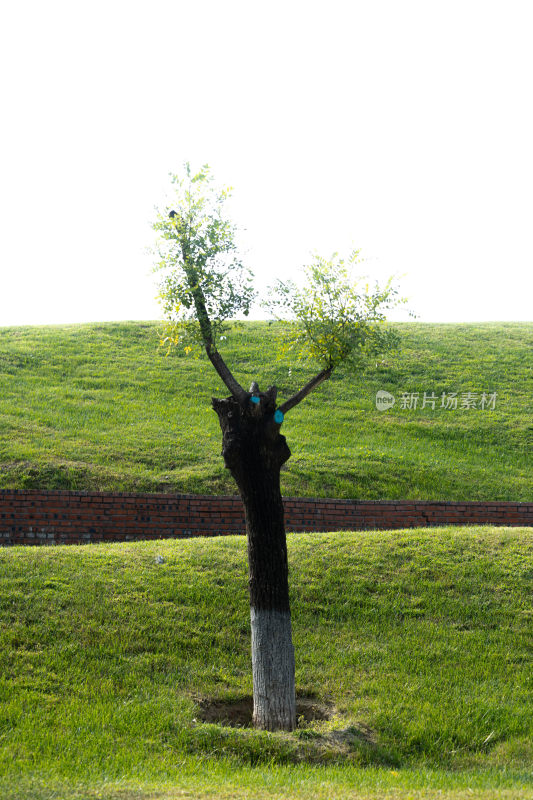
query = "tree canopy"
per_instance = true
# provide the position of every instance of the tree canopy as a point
(336, 317)
(204, 281)
(333, 318)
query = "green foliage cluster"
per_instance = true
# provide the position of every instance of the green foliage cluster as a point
(337, 318)
(419, 639)
(202, 273)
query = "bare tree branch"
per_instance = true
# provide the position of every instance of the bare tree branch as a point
(225, 374)
(307, 389)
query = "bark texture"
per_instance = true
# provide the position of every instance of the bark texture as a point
(254, 451)
(273, 670)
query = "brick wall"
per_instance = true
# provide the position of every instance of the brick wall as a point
(35, 517)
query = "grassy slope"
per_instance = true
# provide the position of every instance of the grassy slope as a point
(422, 636)
(98, 406)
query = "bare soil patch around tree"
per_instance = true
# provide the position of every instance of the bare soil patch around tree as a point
(238, 713)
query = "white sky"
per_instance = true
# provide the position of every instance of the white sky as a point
(403, 128)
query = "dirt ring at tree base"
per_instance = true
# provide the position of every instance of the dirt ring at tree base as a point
(238, 713)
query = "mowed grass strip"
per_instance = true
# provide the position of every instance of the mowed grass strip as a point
(419, 641)
(100, 407)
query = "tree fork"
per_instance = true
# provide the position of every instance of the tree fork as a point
(254, 451)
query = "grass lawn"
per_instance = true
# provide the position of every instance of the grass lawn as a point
(418, 643)
(100, 407)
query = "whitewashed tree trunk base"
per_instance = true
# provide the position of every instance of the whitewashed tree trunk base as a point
(273, 670)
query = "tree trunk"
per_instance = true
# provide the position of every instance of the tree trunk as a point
(254, 451)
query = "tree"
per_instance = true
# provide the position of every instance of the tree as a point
(332, 320)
